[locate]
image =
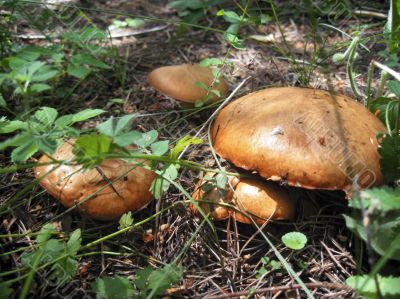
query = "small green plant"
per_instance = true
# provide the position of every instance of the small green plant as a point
(149, 283)
(58, 255)
(294, 240)
(43, 131)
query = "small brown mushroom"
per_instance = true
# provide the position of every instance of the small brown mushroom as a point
(179, 82)
(259, 199)
(305, 137)
(114, 188)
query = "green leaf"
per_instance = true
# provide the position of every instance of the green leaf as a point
(7, 126)
(234, 40)
(202, 86)
(39, 87)
(134, 23)
(162, 278)
(46, 115)
(207, 62)
(24, 151)
(45, 233)
(74, 243)
(92, 149)
(90, 60)
(115, 126)
(365, 285)
(44, 73)
(141, 278)
(389, 151)
(112, 287)
(161, 185)
(380, 221)
(147, 139)
(221, 179)
(78, 71)
(17, 140)
(86, 114)
(182, 144)
(229, 16)
(126, 220)
(127, 138)
(160, 148)
(384, 199)
(294, 240)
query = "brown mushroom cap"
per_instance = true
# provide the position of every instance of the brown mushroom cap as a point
(262, 200)
(71, 185)
(179, 82)
(303, 136)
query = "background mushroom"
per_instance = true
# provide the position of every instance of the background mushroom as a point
(116, 186)
(305, 137)
(260, 199)
(180, 82)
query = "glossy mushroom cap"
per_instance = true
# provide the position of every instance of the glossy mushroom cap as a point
(71, 185)
(261, 200)
(179, 82)
(306, 137)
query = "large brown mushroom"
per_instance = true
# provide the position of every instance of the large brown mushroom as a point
(113, 188)
(180, 82)
(258, 199)
(299, 136)
(306, 137)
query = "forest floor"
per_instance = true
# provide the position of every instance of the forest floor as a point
(232, 262)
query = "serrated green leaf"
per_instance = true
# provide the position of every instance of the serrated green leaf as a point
(7, 126)
(46, 115)
(17, 140)
(24, 151)
(294, 240)
(74, 242)
(112, 287)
